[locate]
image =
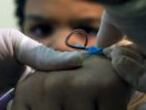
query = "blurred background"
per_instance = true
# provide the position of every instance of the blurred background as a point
(7, 18)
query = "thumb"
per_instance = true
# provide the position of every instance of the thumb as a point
(108, 51)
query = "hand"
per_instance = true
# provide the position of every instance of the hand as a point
(21, 48)
(18, 50)
(91, 87)
(128, 60)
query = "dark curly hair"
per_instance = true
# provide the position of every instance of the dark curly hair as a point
(19, 11)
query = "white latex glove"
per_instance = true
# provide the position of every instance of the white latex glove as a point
(20, 48)
(129, 62)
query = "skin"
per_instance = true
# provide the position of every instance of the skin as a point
(50, 21)
(89, 88)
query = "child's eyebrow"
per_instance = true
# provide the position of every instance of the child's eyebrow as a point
(88, 21)
(35, 17)
(38, 18)
(112, 2)
(87, 0)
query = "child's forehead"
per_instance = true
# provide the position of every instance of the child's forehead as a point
(59, 11)
(72, 5)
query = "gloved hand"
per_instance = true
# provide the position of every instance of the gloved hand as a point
(129, 62)
(20, 48)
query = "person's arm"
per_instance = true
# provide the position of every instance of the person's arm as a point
(26, 51)
(108, 34)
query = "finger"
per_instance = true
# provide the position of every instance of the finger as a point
(133, 47)
(129, 69)
(128, 44)
(115, 51)
(122, 51)
(124, 64)
(107, 52)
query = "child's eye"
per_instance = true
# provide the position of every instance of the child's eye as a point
(112, 2)
(89, 29)
(42, 30)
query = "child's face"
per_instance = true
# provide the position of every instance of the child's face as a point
(50, 21)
